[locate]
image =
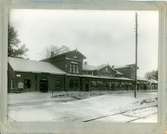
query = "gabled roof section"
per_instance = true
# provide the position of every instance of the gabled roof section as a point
(88, 67)
(118, 73)
(23, 65)
(102, 66)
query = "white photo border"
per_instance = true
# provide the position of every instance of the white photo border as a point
(82, 128)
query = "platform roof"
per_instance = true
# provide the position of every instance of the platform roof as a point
(24, 65)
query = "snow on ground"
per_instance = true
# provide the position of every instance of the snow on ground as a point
(111, 107)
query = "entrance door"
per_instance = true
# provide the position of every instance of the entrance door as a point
(43, 85)
(86, 86)
(74, 84)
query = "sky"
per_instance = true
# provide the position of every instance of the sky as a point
(104, 37)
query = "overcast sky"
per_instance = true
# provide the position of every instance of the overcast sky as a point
(104, 37)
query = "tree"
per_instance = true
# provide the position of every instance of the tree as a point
(15, 47)
(55, 50)
(152, 75)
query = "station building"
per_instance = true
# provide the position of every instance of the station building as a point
(68, 72)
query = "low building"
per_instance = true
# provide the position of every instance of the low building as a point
(28, 75)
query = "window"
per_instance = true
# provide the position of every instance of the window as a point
(18, 75)
(27, 83)
(58, 85)
(74, 68)
(93, 83)
(107, 70)
(71, 69)
(11, 84)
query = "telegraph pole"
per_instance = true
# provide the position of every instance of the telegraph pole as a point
(136, 52)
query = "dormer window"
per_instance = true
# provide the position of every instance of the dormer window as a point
(75, 57)
(74, 67)
(107, 69)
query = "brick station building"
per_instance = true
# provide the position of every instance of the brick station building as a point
(68, 72)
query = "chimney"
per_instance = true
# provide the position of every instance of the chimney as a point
(52, 53)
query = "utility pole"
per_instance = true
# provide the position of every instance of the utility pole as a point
(136, 50)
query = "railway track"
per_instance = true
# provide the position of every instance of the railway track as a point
(123, 113)
(142, 117)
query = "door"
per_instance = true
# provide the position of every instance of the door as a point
(43, 85)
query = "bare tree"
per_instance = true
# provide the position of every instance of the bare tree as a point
(53, 50)
(152, 75)
(15, 47)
